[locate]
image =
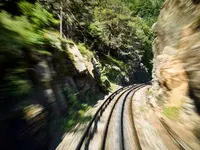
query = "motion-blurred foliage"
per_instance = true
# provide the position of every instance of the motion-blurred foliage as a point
(22, 39)
(112, 31)
(105, 28)
(26, 30)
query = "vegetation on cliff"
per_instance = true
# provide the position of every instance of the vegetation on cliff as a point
(113, 32)
(59, 54)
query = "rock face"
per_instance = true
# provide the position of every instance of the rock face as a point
(177, 49)
(78, 58)
(173, 78)
(176, 69)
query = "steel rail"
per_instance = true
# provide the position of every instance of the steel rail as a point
(132, 120)
(110, 115)
(102, 107)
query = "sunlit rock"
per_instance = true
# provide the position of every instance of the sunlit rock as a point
(77, 57)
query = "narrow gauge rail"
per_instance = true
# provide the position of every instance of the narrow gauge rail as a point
(123, 120)
(122, 137)
(125, 90)
(100, 110)
(123, 94)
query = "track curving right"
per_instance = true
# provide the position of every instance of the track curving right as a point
(129, 141)
(112, 122)
(114, 131)
(97, 114)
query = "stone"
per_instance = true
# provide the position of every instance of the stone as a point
(177, 50)
(78, 59)
(176, 68)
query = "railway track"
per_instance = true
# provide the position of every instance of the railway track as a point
(113, 127)
(110, 122)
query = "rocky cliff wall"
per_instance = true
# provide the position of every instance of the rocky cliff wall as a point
(176, 70)
(177, 49)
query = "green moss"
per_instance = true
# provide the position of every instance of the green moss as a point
(70, 56)
(172, 112)
(150, 92)
(44, 52)
(84, 51)
(68, 41)
(113, 86)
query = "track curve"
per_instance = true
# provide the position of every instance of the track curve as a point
(90, 136)
(113, 125)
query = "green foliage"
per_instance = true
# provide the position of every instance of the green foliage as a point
(27, 30)
(116, 70)
(104, 83)
(25, 38)
(107, 29)
(37, 15)
(76, 109)
(20, 86)
(16, 84)
(113, 29)
(146, 9)
(77, 118)
(115, 26)
(85, 52)
(113, 61)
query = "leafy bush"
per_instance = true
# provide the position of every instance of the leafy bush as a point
(76, 109)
